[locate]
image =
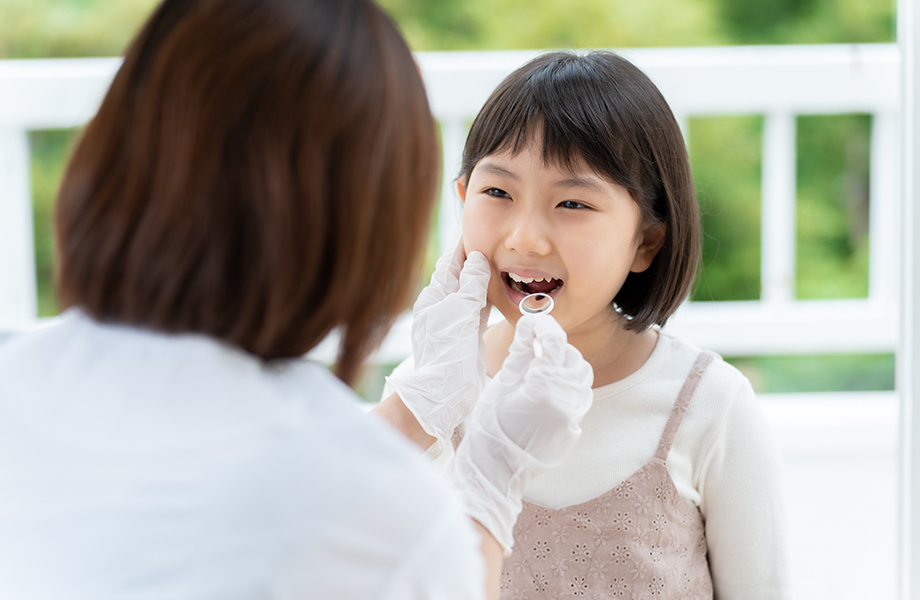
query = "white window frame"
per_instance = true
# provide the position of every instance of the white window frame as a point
(908, 378)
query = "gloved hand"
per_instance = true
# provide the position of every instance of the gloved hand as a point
(525, 423)
(447, 324)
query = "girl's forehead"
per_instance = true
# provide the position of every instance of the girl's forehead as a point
(504, 161)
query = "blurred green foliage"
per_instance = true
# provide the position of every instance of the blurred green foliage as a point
(808, 21)
(818, 372)
(725, 158)
(832, 206)
(832, 209)
(526, 24)
(49, 150)
(507, 24)
(69, 28)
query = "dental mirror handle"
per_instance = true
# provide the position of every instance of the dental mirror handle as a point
(536, 304)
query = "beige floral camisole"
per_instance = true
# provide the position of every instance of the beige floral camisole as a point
(640, 539)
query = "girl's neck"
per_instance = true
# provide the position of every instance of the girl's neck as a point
(613, 352)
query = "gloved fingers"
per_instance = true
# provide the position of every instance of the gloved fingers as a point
(446, 277)
(531, 425)
(561, 378)
(552, 338)
(474, 277)
(559, 381)
(483, 325)
(447, 271)
(484, 318)
(582, 373)
(520, 352)
(451, 317)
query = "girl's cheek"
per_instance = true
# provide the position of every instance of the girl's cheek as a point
(473, 238)
(479, 234)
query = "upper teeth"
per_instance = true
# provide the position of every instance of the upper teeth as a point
(520, 279)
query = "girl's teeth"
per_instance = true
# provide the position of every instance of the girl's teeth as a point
(520, 279)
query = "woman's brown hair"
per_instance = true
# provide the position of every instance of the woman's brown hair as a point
(261, 171)
(599, 108)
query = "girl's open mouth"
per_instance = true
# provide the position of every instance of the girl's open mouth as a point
(529, 285)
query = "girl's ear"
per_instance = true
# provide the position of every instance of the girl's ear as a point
(461, 189)
(652, 240)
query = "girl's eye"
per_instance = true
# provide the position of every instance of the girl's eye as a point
(497, 193)
(571, 204)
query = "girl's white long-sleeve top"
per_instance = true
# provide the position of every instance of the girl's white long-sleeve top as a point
(723, 461)
(136, 465)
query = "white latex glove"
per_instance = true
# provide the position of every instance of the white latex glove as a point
(525, 423)
(447, 324)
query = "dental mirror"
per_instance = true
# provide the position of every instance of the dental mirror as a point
(536, 304)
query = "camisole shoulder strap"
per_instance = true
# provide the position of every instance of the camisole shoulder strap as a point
(683, 402)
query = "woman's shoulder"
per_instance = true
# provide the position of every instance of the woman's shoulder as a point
(132, 390)
(272, 458)
(388, 504)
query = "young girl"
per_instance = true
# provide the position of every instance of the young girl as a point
(576, 183)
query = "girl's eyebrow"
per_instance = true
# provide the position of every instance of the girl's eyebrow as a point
(580, 182)
(575, 181)
(493, 169)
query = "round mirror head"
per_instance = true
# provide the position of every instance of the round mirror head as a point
(536, 304)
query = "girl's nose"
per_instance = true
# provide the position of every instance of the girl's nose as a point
(528, 233)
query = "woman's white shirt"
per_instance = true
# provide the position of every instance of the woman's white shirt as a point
(139, 465)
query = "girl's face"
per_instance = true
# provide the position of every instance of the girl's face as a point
(573, 235)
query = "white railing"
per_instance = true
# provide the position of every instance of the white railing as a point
(35, 94)
(816, 432)
(778, 82)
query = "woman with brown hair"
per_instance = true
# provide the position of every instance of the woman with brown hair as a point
(260, 173)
